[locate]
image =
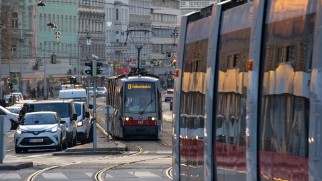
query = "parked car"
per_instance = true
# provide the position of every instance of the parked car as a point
(18, 95)
(168, 96)
(84, 123)
(41, 130)
(90, 91)
(66, 110)
(101, 91)
(13, 117)
(14, 109)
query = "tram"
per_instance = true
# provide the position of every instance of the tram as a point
(248, 97)
(134, 106)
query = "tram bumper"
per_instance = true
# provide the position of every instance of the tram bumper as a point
(140, 131)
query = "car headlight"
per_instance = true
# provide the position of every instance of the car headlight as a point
(18, 131)
(79, 123)
(53, 130)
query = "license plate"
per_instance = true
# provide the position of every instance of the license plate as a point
(36, 140)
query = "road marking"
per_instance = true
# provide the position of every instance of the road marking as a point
(89, 174)
(144, 174)
(6, 176)
(54, 176)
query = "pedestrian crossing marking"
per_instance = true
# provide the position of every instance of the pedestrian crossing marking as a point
(6, 176)
(54, 176)
(144, 174)
(89, 174)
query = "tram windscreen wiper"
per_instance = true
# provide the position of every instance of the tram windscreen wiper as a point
(146, 107)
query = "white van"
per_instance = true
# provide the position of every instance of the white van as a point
(79, 95)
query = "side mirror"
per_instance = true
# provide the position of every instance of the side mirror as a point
(120, 117)
(90, 106)
(74, 117)
(86, 114)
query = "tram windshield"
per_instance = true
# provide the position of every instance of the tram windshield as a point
(139, 97)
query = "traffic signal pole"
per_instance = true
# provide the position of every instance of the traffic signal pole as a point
(94, 113)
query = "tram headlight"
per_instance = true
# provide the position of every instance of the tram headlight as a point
(151, 118)
(128, 119)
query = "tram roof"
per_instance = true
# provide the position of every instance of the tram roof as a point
(146, 77)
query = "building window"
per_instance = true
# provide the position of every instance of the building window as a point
(14, 20)
(117, 14)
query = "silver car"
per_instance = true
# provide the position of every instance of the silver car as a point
(40, 130)
(101, 91)
(84, 123)
(13, 117)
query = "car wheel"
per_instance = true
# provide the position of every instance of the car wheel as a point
(65, 145)
(75, 141)
(70, 143)
(60, 146)
(18, 150)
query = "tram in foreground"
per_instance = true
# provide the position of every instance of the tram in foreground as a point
(248, 97)
(134, 106)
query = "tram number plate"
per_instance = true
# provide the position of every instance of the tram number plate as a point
(36, 140)
(140, 122)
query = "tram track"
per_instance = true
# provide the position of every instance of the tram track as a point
(99, 176)
(33, 176)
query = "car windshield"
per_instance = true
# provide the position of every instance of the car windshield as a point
(101, 88)
(169, 92)
(61, 108)
(35, 119)
(78, 108)
(14, 109)
(90, 88)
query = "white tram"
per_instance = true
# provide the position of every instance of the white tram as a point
(248, 92)
(134, 106)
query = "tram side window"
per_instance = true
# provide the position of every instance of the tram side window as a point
(285, 99)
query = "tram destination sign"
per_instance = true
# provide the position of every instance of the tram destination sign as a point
(138, 86)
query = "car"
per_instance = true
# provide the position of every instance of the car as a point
(168, 96)
(14, 109)
(66, 110)
(41, 130)
(18, 95)
(84, 123)
(90, 91)
(13, 117)
(101, 91)
(79, 95)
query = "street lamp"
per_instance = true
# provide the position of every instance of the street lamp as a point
(22, 39)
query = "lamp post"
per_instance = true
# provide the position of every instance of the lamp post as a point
(22, 39)
(45, 69)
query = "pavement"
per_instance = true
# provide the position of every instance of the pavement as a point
(104, 146)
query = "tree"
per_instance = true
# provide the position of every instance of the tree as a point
(6, 31)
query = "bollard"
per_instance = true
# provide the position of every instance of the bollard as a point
(5, 126)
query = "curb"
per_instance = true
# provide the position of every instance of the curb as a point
(15, 166)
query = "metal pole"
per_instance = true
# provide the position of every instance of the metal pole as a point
(139, 50)
(21, 78)
(45, 81)
(94, 111)
(79, 77)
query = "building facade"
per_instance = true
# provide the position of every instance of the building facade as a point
(41, 43)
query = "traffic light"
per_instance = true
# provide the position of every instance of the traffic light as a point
(57, 33)
(10, 86)
(53, 59)
(90, 65)
(98, 70)
(93, 68)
